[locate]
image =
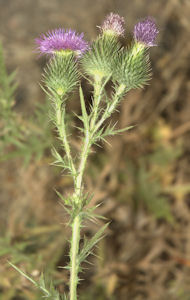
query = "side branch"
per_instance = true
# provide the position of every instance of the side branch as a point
(61, 126)
(110, 107)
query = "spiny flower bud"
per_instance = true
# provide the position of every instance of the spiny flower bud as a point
(61, 75)
(61, 40)
(145, 32)
(132, 71)
(98, 61)
(113, 25)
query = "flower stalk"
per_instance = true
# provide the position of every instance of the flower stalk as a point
(73, 256)
(97, 99)
(61, 126)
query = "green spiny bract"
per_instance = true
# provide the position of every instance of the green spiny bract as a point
(61, 74)
(132, 67)
(98, 61)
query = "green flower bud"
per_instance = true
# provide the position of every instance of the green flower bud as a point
(98, 61)
(132, 67)
(61, 74)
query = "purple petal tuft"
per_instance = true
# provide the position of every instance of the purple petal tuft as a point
(114, 23)
(61, 39)
(146, 32)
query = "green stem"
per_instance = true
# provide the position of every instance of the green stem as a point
(77, 197)
(84, 156)
(78, 193)
(88, 138)
(97, 98)
(77, 221)
(73, 256)
(111, 107)
(61, 126)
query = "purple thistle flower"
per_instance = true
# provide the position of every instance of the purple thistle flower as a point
(61, 39)
(113, 23)
(146, 32)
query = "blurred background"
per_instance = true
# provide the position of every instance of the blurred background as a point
(142, 179)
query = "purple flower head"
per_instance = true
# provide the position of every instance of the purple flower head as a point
(146, 31)
(113, 24)
(61, 39)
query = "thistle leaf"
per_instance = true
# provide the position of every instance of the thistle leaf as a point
(23, 274)
(66, 200)
(89, 244)
(40, 285)
(117, 131)
(60, 161)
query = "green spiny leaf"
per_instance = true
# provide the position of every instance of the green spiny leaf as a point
(85, 118)
(89, 244)
(117, 131)
(60, 162)
(66, 200)
(26, 276)
(49, 293)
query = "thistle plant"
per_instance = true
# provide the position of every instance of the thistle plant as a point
(103, 60)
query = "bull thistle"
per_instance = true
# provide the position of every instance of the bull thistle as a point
(105, 59)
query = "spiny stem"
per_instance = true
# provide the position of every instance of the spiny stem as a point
(77, 196)
(84, 156)
(77, 221)
(78, 183)
(73, 256)
(60, 120)
(97, 98)
(111, 107)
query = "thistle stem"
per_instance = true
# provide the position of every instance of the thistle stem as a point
(97, 98)
(77, 197)
(77, 222)
(61, 126)
(78, 193)
(111, 107)
(73, 256)
(84, 156)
